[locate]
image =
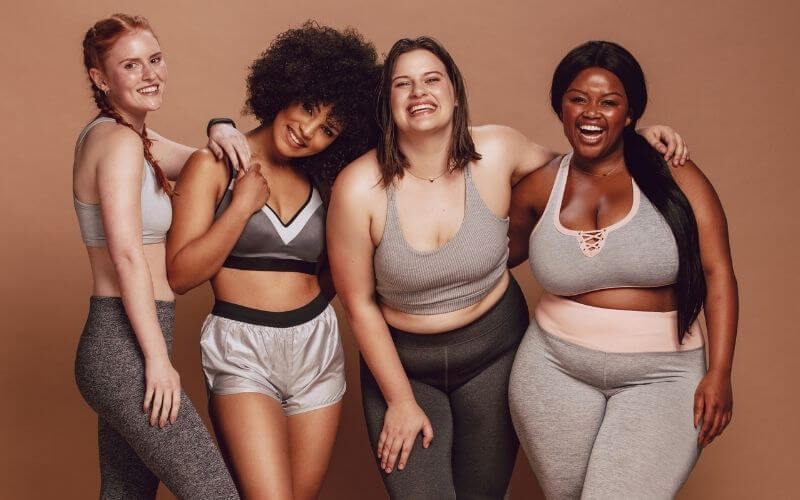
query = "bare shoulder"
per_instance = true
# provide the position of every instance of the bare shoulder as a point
(691, 179)
(111, 138)
(495, 135)
(537, 185)
(361, 178)
(202, 166)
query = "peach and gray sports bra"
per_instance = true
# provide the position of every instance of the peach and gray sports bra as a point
(637, 251)
(156, 207)
(267, 244)
(458, 274)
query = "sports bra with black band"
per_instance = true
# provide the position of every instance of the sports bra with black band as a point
(267, 244)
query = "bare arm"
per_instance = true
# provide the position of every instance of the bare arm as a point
(714, 397)
(350, 252)
(223, 140)
(119, 184)
(197, 244)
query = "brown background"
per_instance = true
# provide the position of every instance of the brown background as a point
(723, 73)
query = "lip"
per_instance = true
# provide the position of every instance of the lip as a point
(591, 139)
(423, 108)
(293, 139)
(155, 89)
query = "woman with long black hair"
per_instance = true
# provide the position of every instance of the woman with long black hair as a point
(609, 391)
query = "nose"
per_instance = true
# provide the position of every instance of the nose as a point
(418, 90)
(148, 73)
(309, 126)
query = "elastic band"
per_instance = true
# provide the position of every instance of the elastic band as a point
(283, 319)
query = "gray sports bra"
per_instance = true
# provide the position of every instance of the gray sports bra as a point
(155, 206)
(637, 251)
(267, 244)
(458, 274)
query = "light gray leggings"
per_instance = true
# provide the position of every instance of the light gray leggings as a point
(605, 425)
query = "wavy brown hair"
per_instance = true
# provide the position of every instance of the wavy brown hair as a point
(462, 149)
(97, 42)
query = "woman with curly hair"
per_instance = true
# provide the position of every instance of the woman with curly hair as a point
(271, 351)
(419, 261)
(121, 196)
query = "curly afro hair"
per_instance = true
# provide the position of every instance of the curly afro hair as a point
(317, 64)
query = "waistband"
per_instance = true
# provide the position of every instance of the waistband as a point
(509, 308)
(614, 330)
(282, 319)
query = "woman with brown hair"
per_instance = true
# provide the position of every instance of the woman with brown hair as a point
(419, 262)
(148, 430)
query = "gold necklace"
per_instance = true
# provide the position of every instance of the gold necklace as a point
(448, 169)
(604, 174)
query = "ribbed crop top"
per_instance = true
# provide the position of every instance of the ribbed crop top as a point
(156, 207)
(458, 274)
(637, 251)
(267, 244)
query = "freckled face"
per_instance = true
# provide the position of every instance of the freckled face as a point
(594, 112)
(134, 73)
(303, 129)
(422, 95)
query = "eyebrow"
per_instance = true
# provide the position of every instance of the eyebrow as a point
(433, 72)
(604, 95)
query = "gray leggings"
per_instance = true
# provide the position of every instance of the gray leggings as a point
(460, 380)
(109, 370)
(605, 425)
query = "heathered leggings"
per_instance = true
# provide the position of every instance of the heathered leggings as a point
(603, 425)
(134, 456)
(460, 380)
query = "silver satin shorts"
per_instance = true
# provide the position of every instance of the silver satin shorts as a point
(294, 357)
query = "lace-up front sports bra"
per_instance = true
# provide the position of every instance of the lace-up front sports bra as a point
(156, 207)
(637, 251)
(267, 244)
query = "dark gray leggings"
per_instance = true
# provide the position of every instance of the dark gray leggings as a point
(109, 370)
(460, 380)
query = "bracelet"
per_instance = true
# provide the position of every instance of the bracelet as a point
(215, 121)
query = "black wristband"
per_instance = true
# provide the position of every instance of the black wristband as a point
(214, 121)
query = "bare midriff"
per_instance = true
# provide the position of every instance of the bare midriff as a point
(440, 323)
(275, 291)
(658, 299)
(106, 283)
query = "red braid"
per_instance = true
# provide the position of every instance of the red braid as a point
(96, 44)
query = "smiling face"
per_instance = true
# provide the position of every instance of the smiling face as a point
(303, 129)
(422, 96)
(134, 73)
(594, 112)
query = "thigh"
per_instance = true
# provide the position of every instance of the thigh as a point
(253, 433)
(647, 445)
(122, 473)
(428, 473)
(556, 415)
(484, 442)
(311, 438)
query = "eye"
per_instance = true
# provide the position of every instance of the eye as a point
(328, 131)
(402, 83)
(610, 103)
(432, 79)
(130, 65)
(155, 60)
(577, 99)
(308, 108)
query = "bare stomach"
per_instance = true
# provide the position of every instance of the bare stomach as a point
(659, 299)
(440, 323)
(265, 290)
(104, 274)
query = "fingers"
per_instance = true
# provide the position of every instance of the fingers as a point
(148, 398)
(699, 407)
(685, 155)
(243, 152)
(680, 146)
(394, 451)
(386, 451)
(166, 409)
(215, 149)
(176, 405)
(405, 451)
(230, 153)
(381, 443)
(670, 148)
(158, 400)
(427, 433)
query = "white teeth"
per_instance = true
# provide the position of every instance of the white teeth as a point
(590, 128)
(294, 138)
(421, 107)
(147, 90)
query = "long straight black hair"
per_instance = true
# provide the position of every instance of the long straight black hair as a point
(645, 165)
